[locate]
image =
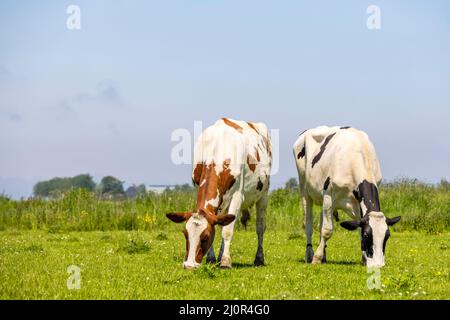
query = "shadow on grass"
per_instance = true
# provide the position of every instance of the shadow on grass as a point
(337, 262)
(239, 265)
(235, 265)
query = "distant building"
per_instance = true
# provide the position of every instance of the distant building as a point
(159, 188)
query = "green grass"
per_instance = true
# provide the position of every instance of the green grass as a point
(147, 265)
(129, 250)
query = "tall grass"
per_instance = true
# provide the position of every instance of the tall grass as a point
(422, 207)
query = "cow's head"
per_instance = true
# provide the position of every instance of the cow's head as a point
(199, 233)
(374, 235)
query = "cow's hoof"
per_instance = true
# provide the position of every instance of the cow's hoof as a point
(364, 261)
(317, 260)
(211, 260)
(259, 262)
(324, 258)
(225, 263)
(309, 254)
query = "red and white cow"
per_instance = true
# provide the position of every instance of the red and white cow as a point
(232, 163)
(338, 169)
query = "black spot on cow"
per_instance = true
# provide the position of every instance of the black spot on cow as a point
(368, 193)
(302, 153)
(326, 184)
(366, 234)
(343, 128)
(366, 237)
(358, 198)
(260, 185)
(322, 149)
(386, 237)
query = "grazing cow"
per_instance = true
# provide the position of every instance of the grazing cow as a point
(339, 170)
(232, 163)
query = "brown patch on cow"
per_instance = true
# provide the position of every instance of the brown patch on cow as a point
(251, 125)
(251, 161)
(267, 145)
(233, 125)
(205, 243)
(226, 179)
(197, 174)
(214, 186)
(208, 190)
(260, 185)
(210, 207)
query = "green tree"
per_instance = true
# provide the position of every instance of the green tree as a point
(83, 181)
(141, 189)
(54, 187)
(111, 185)
(136, 191)
(184, 188)
(291, 185)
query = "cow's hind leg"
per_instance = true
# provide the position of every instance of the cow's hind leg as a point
(261, 208)
(245, 217)
(308, 224)
(326, 228)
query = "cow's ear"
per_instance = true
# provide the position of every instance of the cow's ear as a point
(351, 225)
(225, 219)
(392, 221)
(179, 216)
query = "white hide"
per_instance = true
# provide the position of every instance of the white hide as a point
(377, 222)
(195, 226)
(220, 142)
(347, 160)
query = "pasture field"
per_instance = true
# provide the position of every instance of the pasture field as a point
(147, 265)
(129, 250)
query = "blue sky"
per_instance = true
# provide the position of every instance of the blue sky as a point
(105, 99)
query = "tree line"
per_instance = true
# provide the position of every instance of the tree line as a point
(109, 187)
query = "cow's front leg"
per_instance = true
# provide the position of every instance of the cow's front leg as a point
(363, 253)
(227, 231)
(227, 235)
(326, 229)
(210, 255)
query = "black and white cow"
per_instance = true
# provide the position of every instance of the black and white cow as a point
(338, 169)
